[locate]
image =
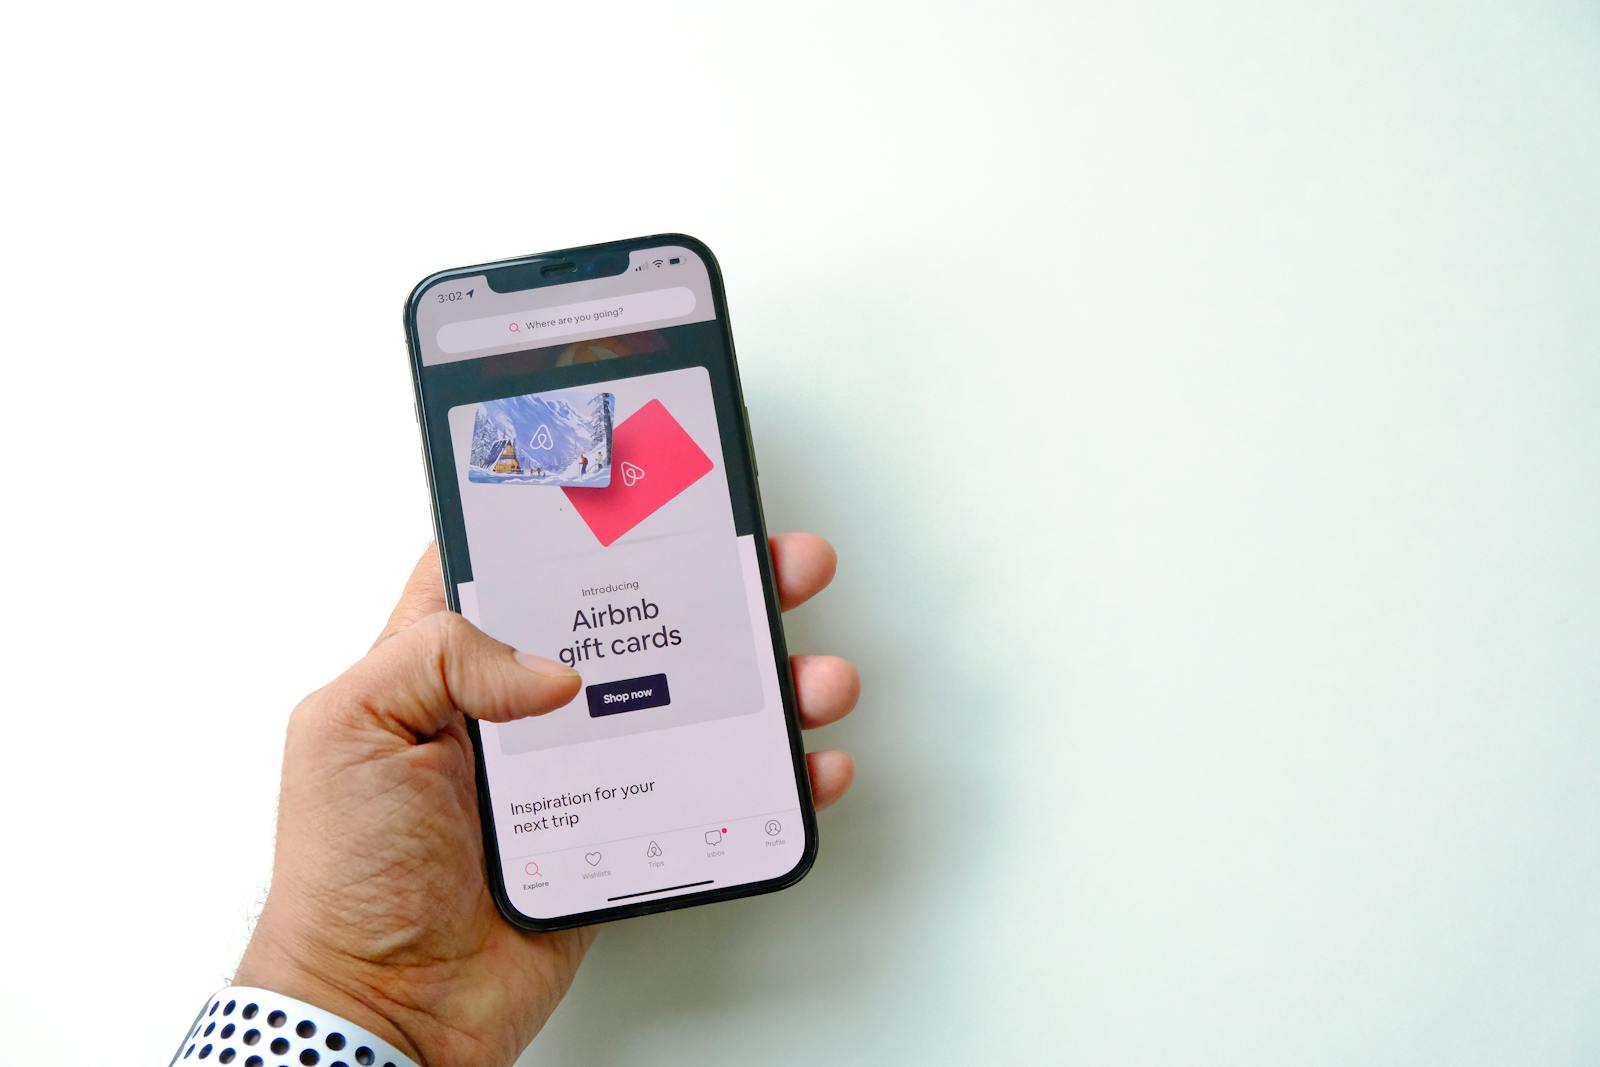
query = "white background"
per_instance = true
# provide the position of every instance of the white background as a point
(1203, 401)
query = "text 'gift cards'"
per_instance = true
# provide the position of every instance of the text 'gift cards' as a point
(653, 460)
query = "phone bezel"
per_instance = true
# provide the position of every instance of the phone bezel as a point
(494, 873)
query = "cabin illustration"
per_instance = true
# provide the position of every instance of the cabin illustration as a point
(507, 463)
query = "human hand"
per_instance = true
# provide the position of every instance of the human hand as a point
(379, 910)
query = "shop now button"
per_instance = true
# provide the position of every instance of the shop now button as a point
(629, 694)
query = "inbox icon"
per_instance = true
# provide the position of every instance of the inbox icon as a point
(658, 460)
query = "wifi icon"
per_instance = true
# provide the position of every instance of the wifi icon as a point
(658, 262)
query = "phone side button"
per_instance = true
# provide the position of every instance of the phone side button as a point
(755, 463)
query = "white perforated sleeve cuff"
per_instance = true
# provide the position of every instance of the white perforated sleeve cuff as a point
(248, 1027)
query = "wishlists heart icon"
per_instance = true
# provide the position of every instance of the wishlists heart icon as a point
(542, 439)
(592, 858)
(631, 472)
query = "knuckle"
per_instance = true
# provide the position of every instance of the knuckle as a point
(445, 628)
(314, 715)
(316, 709)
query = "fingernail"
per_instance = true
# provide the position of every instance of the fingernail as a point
(540, 665)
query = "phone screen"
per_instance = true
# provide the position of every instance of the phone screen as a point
(596, 503)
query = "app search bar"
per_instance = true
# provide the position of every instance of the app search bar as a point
(613, 315)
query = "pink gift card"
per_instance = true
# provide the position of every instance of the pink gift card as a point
(653, 460)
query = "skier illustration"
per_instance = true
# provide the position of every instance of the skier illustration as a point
(583, 465)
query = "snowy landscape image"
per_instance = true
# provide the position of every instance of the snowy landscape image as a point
(561, 437)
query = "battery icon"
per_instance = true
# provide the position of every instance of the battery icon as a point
(674, 261)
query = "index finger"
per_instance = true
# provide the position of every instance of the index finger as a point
(422, 596)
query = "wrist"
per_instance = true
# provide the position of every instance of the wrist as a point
(340, 989)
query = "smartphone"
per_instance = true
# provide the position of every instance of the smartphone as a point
(595, 498)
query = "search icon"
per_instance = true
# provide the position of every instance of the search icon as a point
(531, 868)
(515, 328)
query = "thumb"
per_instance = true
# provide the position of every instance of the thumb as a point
(421, 678)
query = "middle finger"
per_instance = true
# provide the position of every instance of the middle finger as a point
(825, 687)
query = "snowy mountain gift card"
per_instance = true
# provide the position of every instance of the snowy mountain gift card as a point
(562, 437)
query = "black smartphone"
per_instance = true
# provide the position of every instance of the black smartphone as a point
(595, 498)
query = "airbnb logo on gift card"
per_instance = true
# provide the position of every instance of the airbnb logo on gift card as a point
(657, 460)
